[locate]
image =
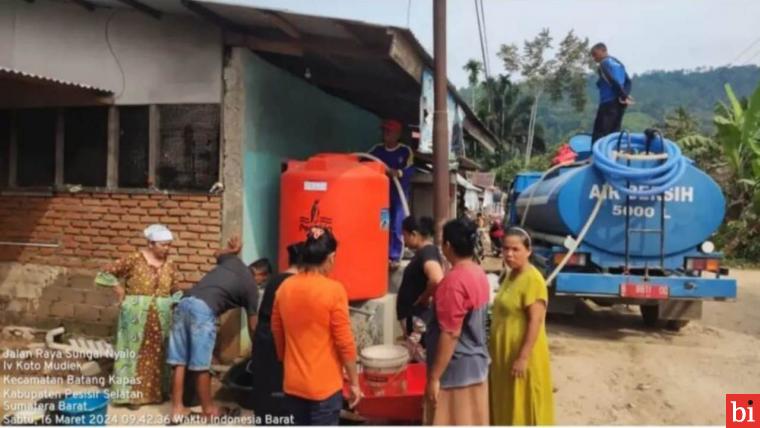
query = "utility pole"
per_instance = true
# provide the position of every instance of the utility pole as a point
(441, 200)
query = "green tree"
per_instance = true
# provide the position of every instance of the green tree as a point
(735, 149)
(680, 124)
(657, 93)
(562, 75)
(733, 158)
(473, 69)
(738, 134)
(506, 172)
(506, 112)
(707, 154)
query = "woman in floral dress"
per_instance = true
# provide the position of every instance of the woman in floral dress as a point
(149, 278)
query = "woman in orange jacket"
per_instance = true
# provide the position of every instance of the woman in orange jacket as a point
(313, 338)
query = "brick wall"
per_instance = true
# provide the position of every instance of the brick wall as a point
(48, 287)
(93, 229)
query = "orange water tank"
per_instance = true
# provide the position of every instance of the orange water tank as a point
(349, 197)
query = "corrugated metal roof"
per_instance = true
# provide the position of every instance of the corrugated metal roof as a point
(373, 82)
(18, 74)
(466, 184)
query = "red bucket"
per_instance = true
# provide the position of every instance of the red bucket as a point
(400, 400)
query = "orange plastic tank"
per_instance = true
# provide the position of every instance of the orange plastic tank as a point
(349, 197)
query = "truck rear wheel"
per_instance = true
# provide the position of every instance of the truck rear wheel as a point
(676, 325)
(650, 314)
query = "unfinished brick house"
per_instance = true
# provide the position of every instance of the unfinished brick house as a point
(181, 112)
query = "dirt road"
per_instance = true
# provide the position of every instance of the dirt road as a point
(609, 369)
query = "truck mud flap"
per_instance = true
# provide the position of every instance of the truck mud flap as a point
(680, 310)
(563, 305)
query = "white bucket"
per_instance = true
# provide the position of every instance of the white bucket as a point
(383, 364)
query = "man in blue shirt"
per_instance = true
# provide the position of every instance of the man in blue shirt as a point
(614, 92)
(399, 158)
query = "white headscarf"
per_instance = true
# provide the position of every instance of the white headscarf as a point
(158, 233)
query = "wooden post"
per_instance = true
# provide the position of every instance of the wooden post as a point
(13, 153)
(441, 197)
(59, 149)
(154, 138)
(112, 169)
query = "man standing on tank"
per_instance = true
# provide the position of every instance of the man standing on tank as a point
(614, 92)
(399, 158)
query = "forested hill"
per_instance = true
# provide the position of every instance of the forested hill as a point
(657, 93)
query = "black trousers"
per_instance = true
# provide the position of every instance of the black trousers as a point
(609, 119)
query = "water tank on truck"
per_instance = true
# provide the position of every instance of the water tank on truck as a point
(350, 197)
(629, 224)
(561, 205)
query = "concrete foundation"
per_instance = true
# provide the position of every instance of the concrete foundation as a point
(376, 323)
(49, 296)
(27, 292)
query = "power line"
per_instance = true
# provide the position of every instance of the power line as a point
(118, 63)
(485, 36)
(752, 58)
(487, 58)
(482, 42)
(751, 45)
(408, 12)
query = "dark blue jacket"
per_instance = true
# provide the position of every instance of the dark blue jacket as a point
(613, 82)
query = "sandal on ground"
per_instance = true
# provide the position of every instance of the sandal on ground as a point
(178, 420)
(224, 411)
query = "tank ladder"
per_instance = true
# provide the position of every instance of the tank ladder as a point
(650, 135)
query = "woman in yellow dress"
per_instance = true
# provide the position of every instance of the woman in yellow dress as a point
(520, 378)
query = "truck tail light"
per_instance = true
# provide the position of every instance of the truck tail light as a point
(703, 263)
(577, 259)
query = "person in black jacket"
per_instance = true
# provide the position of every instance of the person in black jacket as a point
(194, 326)
(423, 273)
(265, 367)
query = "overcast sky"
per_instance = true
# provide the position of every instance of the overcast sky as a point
(644, 34)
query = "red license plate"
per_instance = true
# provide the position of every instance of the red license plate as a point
(644, 291)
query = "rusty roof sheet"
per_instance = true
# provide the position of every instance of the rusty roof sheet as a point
(31, 77)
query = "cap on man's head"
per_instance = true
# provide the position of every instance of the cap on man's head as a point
(392, 125)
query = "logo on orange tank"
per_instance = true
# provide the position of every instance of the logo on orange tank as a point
(314, 219)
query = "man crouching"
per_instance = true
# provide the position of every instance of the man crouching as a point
(193, 334)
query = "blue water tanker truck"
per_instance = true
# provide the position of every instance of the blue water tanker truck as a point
(628, 222)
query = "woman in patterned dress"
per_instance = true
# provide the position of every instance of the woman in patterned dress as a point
(141, 375)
